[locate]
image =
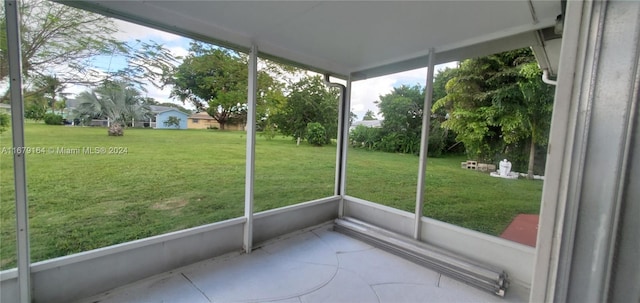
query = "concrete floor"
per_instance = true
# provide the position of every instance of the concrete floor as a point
(317, 265)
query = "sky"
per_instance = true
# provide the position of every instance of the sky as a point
(364, 93)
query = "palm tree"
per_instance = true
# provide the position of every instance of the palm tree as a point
(117, 101)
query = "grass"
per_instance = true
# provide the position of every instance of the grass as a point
(174, 179)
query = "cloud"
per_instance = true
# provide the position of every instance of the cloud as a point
(178, 51)
(364, 93)
(131, 31)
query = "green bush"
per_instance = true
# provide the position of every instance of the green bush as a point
(172, 121)
(365, 137)
(5, 121)
(269, 131)
(35, 112)
(53, 119)
(316, 134)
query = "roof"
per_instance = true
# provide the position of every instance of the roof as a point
(348, 38)
(368, 123)
(202, 116)
(156, 109)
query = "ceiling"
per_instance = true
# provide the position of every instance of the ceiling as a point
(342, 38)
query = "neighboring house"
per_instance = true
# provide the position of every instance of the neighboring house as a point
(367, 123)
(5, 108)
(161, 115)
(203, 120)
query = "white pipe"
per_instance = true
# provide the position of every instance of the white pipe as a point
(545, 78)
(343, 126)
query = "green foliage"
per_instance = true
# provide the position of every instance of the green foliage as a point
(308, 101)
(498, 105)
(118, 101)
(215, 80)
(316, 134)
(34, 108)
(269, 131)
(52, 119)
(369, 115)
(51, 89)
(59, 36)
(365, 137)
(172, 121)
(5, 122)
(402, 126)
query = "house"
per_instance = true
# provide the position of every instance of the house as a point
(367, 123)
(203, 120)
(160, 116)
(5, 108)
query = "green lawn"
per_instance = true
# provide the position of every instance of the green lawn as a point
(174, 179)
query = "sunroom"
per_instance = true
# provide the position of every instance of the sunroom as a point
(588, 235)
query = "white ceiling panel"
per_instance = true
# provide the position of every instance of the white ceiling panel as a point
(364, 38)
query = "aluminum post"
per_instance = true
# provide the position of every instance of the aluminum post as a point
(251, 149)
(424, 144)
(19, 165)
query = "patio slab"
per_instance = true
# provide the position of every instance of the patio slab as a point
(316, 265)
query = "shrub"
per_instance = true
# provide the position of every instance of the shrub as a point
(365, 137)
(53, 119)
(269, 132)
(316, 134)
(212, 127)
(172, 121)
(5, 121)
(35, 112)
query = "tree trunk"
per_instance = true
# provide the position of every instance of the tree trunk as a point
(221, 125)
(532, 155)
(298, 141)
(115, 130)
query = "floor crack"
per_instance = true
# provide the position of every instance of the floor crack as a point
(198, 288)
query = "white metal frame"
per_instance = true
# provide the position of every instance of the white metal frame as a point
(424, 144)
(588, 185)
(19, 165)
(251, 149)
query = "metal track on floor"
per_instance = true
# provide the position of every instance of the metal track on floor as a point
(468, 271)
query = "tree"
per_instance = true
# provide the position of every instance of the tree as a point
(5, 122)
(117, 101)
(316, 134)
(309, 101)
(51, 89)
(538, 97)
(172, 121)
(35, 105)
(61, 37)
(402, 124)
(352, 117)
(369, 115)
(215, 80)
(496, 104)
